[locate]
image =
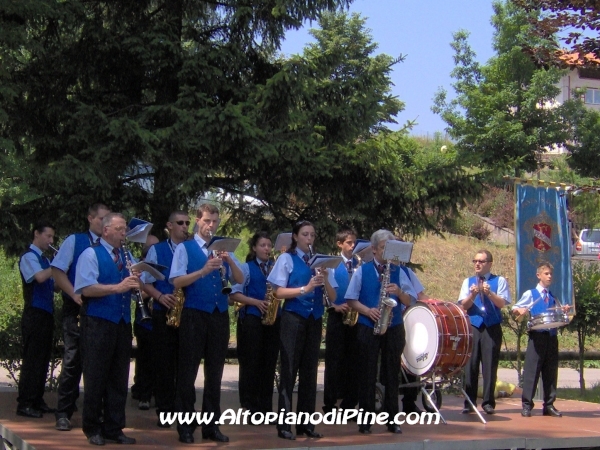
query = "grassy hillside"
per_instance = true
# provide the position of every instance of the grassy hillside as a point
(446, 262)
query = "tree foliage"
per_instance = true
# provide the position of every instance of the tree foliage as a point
(150, 106)
(576, 22)
(503, 115)
(586, 284)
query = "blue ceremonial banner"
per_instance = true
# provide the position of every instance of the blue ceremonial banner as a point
(542, 234)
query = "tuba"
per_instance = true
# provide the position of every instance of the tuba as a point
(386, 304)
(351, 317)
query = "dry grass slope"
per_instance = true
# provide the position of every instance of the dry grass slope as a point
(446, 262)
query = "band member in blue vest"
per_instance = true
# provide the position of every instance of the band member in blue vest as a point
(37, 322)
(165, 339)
(204, 327)
(104, 282)
(144, 373)
(63, 272)
(542, 348)
(364, 294)
(341, 380)
(301, 325)
(257, 344)
(482, 296)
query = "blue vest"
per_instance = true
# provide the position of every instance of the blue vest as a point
(164, 256)
(541, 307)
(309, 304)
(38, 295)
(113, 307)
(370, 290)
(342, 278)
(257, 288)
(82, 241)
(485, 312)
(203, 294)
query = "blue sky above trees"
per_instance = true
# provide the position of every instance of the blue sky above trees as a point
(421, 30)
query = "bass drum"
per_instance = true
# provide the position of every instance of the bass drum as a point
(439, 340)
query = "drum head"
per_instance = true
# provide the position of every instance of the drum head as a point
(422, 340)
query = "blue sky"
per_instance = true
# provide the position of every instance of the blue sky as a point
(421, 30)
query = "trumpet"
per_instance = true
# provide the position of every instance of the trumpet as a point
(318, 271)
(138, 294)
(225, 289)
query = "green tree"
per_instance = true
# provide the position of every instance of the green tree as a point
(502, 115)
(586, 284)
(150, 107)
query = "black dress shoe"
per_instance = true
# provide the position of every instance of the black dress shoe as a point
(30, 412)
(467, 410)
(489, 409)
(96, 439)
(394, 429)
(119, 439)
(308, 432)
(526, 412)
(63, 424)
(186, 437)
(215, 435)
(364, 429)
(551, 411)
(286, 434)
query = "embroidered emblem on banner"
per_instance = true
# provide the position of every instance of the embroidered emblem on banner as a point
(542, 237)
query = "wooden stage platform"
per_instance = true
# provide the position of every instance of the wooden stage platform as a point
(578, 428)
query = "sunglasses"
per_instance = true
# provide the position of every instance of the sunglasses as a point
(480, 261)
(181, 222)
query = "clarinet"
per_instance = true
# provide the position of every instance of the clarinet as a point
(138, 294)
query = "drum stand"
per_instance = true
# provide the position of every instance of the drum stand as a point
(432, 403)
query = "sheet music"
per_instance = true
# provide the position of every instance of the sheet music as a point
(398, 250)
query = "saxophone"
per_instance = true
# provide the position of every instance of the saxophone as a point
(350, 317)
(174, 314)
(386, 305)
(270, 316)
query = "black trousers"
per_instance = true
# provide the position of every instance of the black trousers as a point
(144, 374)
(370, 346)
(70, 373)
(541, 357)
(205, 336)
(300, 342)
(486, 350)
(37, 328)
(105, 352)
(258, 349)
(165, 348)
(341, 357)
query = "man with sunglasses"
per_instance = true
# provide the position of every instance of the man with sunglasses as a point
(483, 296)
(165, 339)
